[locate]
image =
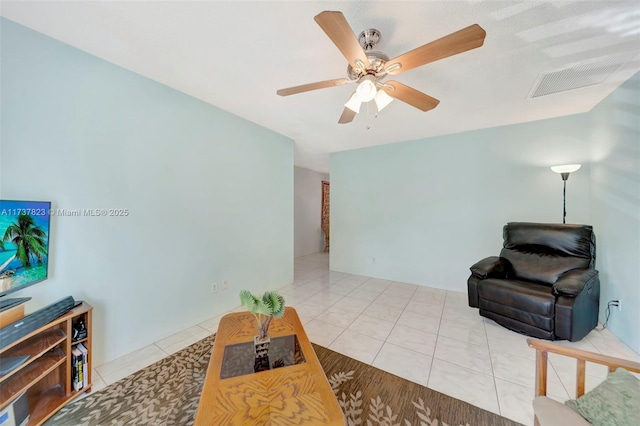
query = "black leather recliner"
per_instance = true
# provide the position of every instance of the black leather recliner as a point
(543, 284)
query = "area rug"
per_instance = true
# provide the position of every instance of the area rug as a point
(167, 394)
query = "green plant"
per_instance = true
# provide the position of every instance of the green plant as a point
(264, 308)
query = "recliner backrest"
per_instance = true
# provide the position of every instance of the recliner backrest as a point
(542, 252)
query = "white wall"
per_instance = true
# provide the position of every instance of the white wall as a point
(615, 205)
(427, 210)
(308, 236)
(210, 194)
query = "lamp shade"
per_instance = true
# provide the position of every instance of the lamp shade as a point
(366, 90)
(382, 99)
(567, 168)
(353, 103)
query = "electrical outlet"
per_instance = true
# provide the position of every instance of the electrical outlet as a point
(225, 285)
(619, 305)
(214, 287)
(373, 260)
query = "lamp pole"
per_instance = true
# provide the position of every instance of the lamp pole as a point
(565, 176)
(565, 171)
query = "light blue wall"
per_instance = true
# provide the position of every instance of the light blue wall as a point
(427, 210)
(615, 205)
(210, 194)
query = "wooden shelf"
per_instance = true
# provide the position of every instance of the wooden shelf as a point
(34, 348)
(41, 407)
(31, 374)
(75, 342)
(46, 404)
(46, 376)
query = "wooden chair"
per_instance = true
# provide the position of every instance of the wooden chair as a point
(550, 412)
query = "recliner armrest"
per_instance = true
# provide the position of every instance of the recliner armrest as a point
(572, 282)
(490, 267)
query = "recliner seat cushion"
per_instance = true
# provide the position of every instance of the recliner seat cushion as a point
(523, 301)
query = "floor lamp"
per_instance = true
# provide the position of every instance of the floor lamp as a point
(564, 171)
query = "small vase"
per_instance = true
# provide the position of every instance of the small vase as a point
(261, 346)
(261, 364)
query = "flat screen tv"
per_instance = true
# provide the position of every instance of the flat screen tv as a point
(24, 245)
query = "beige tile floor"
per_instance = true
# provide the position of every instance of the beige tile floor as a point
(426, 335)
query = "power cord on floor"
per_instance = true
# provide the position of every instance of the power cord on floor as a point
(607, 312)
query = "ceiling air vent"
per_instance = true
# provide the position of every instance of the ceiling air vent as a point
(576, 76)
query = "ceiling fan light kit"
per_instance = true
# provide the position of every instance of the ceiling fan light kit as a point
(382, 100)
(366, 90)
(368, 67)
(354, 103)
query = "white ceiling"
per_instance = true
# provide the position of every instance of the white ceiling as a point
(236, 54)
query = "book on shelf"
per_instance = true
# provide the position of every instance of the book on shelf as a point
(85, 363)
(76, 368)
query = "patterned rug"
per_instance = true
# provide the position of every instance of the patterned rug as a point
(167, 393)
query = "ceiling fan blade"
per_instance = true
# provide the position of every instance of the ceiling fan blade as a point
(347, 116)
(452, 44)
(409, 95)
(313, 86)
(337, 28)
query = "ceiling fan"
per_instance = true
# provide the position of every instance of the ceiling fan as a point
(369, 67)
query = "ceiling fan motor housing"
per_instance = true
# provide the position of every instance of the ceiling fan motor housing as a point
(377, 60)
(368, 39)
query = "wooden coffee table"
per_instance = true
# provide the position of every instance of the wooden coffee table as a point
(297, 393)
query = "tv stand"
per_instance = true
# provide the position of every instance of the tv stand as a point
(49, 375)
(10, 303)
